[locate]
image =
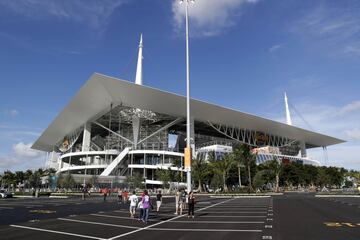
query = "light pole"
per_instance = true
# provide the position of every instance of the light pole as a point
(188, 138)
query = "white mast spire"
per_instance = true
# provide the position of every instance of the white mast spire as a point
(288, 118)
(138, 78)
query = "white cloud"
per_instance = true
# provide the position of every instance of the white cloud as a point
(343, 155)
(13, 163)
(22, 157)
(23, 150)
(353, 134)
(325, 118)
(351, 107)
(91, 12)
(11, 112)
(334, 28)
(209, 17)
(275, 48)
(8, 161)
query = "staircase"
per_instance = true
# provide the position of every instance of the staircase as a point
(115, 162)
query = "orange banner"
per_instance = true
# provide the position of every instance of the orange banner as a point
(187, 153)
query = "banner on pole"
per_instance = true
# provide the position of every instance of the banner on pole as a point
(187, 155)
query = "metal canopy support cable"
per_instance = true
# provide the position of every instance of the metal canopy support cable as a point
(302, 118)
(326, 157)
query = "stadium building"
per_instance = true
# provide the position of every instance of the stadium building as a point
(114, 128)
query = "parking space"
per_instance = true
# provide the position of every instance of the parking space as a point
(22, 210)
(350, 201)
(214, 219)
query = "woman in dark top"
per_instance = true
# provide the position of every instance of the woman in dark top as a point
(191, 204)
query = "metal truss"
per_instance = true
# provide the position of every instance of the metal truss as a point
(117, 134)
(251, 137)
(162, 128)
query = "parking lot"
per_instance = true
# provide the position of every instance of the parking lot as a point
(216, 218)
(291, 216)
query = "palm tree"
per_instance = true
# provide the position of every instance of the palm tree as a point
(249, 160)
(19, 177)
(199, 171)
(239, 158)
(222, 167)
(8, 178)
(275, 168)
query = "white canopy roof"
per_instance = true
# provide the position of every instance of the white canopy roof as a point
(96, 96)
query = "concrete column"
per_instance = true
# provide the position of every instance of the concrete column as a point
(303, 149)
(136, 129)
(86, 137)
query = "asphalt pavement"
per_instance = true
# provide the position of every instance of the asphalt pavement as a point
(290, 216)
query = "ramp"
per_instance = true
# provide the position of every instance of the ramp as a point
(115, 162)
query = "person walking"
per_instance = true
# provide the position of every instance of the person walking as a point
(158, 201)
(125, 196)
(191, 204)
(183, 199)
(181, 202)
(119, 196)
(84, 191)
(140, 206)
(105, 193)
(146, 205)
(177, 199)
(133, 202)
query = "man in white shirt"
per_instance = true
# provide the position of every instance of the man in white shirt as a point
(133, 202)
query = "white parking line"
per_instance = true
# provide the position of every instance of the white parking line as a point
(164, 229)
(217, 222)
(119, 217)
(203, 230)
(190, 221)
(98, 223)
(226, 216)
(21, 205)
(6, 208)
(242, 206)
(135, 231)
(58, 232)
(236, 212)
(153, 213)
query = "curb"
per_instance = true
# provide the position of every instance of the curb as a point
(339, 196)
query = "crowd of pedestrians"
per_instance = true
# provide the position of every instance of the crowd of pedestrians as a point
(141, 205)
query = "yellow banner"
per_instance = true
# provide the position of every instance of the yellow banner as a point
(187, 153)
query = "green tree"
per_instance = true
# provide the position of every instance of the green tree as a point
(94, 181)
(8, 179)
(274, 170)
(260, 179)
(164, 176)
(135, 181)
(250, 163)
(68, 181)
(322, 178)
(239, 157)
(222, 168)
(200, 171)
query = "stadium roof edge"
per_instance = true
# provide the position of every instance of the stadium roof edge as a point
(100, 91)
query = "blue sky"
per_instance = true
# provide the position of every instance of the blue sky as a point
(244, 55)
